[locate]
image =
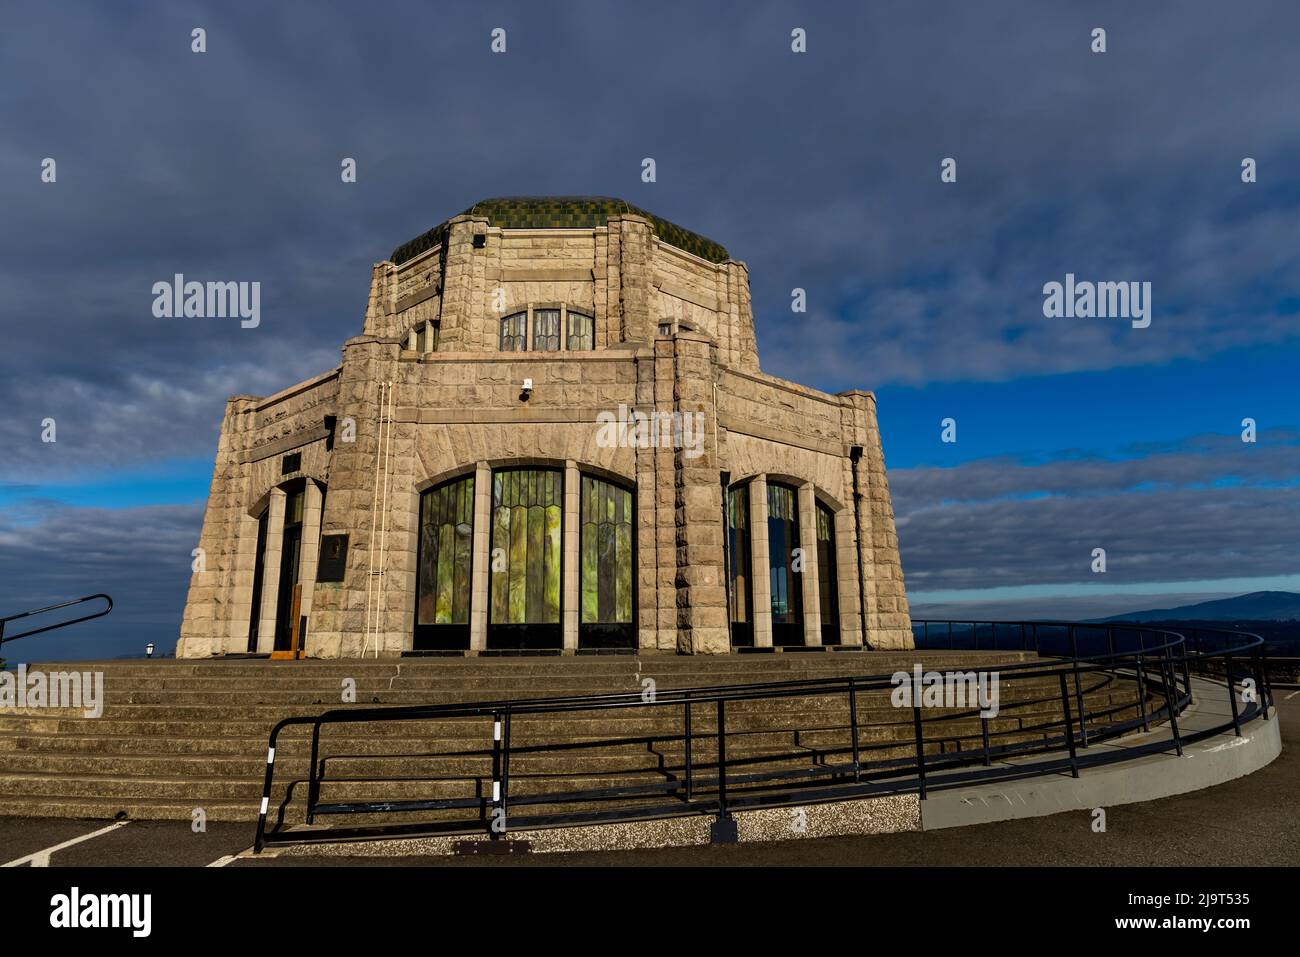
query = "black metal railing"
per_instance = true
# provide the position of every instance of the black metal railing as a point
(108, 606)
(1064, 703)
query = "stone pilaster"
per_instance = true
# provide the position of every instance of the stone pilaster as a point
(478, 603)
(812, 612)
(571, 599)
(271, 571)
(635, 274)
(697, 519)
(762, 581)
(311, 518)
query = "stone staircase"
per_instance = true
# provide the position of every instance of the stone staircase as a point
(179, 735)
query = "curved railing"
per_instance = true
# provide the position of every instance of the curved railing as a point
(108, 606)
(1151, 668)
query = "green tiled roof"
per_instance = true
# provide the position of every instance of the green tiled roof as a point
(563, 212)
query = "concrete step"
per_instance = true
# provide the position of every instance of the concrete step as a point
(179, 735)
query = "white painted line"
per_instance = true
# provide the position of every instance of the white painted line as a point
(1292, 695)
(228, 858)
(41, 858)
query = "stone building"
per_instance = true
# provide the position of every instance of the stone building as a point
(552, 433)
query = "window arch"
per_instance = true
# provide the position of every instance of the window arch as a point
(525, 558)
(828, 586)
(514, 333)
(582, 331)
(606, 561)
(444, 565)
(546, 330)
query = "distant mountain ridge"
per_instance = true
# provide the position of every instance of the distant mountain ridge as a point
(1255, 606)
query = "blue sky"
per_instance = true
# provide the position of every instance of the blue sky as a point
(819, 170)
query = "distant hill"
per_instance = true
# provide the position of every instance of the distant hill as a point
(1256, 606)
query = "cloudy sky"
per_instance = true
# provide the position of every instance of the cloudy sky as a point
(820, 170)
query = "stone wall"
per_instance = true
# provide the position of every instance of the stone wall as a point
(673, 333)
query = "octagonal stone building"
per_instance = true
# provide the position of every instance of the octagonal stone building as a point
(551, 434)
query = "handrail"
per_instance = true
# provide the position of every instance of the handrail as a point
(61, 624)
(1160, 665)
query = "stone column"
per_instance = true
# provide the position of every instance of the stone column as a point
(482, 557)
(762, 574)
(236, 638)
(311, 512)
(846, 567)
(697, 513)
(570, 600)
(271, 571)
(812, 609)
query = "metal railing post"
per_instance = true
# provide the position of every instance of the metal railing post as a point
(505, 769)
(690, 779)
(496, 776)
(1232, 694)
(259, 838)
(920, 748)
(984, 733)
(313, 782)
(722, 759)
(1167, 674)
(1142, 692)
(1261, 681)
(1069, 726)
(1078, 687)
(853, 723)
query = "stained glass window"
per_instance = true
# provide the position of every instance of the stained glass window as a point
(582, 331)
(605, 541)
(740, 595)
(446, 552)
(514, 332)
(527, 508)
(786, 578)
(827, 576)
(546, 330)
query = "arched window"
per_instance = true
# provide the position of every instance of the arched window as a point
(423, 337)
(546, 330)
(582, 332)
(740, 593)
(444, 565)
(828, 586)
(514, 332)
(785, 574)
(605, 548)
(527, 519)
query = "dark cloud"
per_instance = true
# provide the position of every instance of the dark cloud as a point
(50, 552)
(820, 170)
(1171, 516)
